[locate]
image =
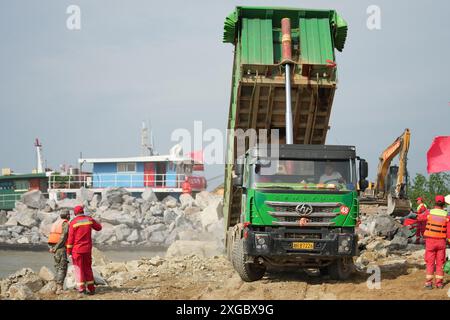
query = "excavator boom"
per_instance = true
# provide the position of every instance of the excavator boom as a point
(396, 200)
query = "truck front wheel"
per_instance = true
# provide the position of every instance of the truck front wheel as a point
(247, 271)
(341, 269)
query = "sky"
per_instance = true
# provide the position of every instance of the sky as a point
(164, 62)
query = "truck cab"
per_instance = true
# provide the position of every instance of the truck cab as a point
(299, 207)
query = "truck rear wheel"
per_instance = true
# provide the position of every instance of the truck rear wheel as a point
(341, 269)
(247, 271)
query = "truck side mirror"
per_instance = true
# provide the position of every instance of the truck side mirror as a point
(239, 172)
(363, 169)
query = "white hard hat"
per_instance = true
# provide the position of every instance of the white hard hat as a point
(447, 199)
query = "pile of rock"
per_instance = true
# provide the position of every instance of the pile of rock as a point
(25, 284)
(380, 236)
(126, 220)
(25, 225)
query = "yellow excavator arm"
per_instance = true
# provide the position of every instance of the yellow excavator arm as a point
(399, 146)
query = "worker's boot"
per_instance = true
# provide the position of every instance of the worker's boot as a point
(439, 284)
(59, 288)
(428, 285)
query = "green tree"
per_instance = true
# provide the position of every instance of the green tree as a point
(428, 188)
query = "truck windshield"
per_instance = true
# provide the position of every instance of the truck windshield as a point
(305, 174)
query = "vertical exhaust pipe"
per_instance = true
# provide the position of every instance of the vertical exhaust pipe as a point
(286, 44)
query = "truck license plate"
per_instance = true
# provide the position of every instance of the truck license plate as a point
(303, 245)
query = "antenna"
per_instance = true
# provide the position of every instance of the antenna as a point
(144, 139)
(146, 148)
(39, 156)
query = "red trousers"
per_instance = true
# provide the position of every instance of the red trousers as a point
(435, 258)
(420, 229)
(82, 263)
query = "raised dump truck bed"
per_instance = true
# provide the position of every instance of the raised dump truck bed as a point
(258, 96)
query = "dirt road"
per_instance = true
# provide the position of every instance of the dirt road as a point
(214, 278)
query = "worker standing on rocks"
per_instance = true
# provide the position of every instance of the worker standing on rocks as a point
(186, 186)
(437, 232)
(57, 242)
(79, 246)
(421, 209)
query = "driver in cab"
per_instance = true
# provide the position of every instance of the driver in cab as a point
(331, 176)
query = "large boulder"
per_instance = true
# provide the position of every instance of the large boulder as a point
(3, 217)
(212, 213)
(33, 199)
(23, 240)
(122, 231)
(68, 203)
(198, 248)
(99, 258)
(26, 219)
(149, 195)
(95, 201)
(51, 204)
(105, 234)
(379, 225)
(113, 196)
(147, 232)
(399, 242)
(26, 277)
(12, 221)
(169, 216)
(133, 237)
(186, 201)
(203, 198)
(49, 288)
(116, 217)
(158, 237)
(20, 291)
(157, 210)
(4, 233)
(85, 195)
(46, 274)
(169, 202)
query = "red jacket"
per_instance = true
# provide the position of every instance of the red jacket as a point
(424, 216)
(80, 229)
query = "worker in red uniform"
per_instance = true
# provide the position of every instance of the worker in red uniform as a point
(421, 209)
(186, 186)
(437, 233)
(79, 246)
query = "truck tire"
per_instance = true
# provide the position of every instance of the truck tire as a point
(341, 269)
(247, 271)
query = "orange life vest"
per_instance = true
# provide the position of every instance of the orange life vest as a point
(56, 231)
(419, 208)
(436, 224)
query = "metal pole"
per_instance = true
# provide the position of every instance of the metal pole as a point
(289, 127)
(287, 59)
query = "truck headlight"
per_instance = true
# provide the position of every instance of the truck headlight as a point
(344, 244)
(261, 241)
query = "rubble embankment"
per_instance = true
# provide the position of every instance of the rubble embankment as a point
(128, 222)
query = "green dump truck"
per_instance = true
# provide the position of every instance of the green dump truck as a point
(292, 200)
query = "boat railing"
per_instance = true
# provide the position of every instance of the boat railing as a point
(112, 180)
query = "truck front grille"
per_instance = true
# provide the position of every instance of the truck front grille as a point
(279, 208)
(286, 213)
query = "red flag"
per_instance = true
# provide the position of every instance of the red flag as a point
(438, 156)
